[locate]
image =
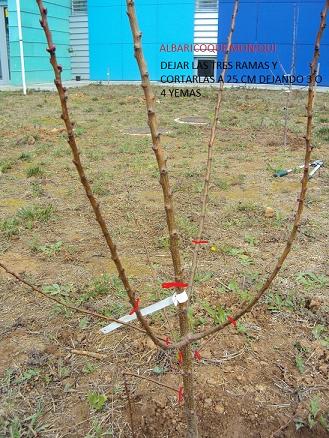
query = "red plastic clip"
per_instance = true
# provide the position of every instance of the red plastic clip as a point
(232, 320)
(172, 284)
(167, 341)
(180, 358)
(136, 306)
(197, 355)
(180, 394)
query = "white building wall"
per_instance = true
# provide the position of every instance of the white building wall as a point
(79, 46)
(205, 29)
(79, 40)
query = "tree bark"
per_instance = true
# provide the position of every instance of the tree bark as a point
(187, 368)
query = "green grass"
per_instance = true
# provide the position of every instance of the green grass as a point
(34, 171)
(163, 242)
(103, 285)
(239, 253)
(233, 286)
(58, 290)
(312, 280)
(115, 310)
(61, 151)
(48, 249)
(6, 165)
(35, 213)
(221, 183)
(37, 189)
(96, 400)
(101, 184)
(218, 314)
(278, 303)
(26, 217)
(202, 277)
(95, 154)
(25, 156)
(10, 227)
(188, 228)
(323, 133)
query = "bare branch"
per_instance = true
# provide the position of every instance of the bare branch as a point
(131, 417)
(192, 430)
(68, 306)
(210, 150)
(301, 199)
(156, 141)
(150, 380)
(141, 233)
(92, 354)
(84, 181)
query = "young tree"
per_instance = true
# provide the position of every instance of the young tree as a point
(183, 345)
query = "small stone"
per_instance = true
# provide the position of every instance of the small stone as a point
(206, 354)
(261, 388)
(314, 304)
(269, 212)
(324, 369)
(30, 140)
(148, 344)
(219, 409)
(81, 337)
(208, 401)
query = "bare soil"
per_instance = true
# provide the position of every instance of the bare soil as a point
(266, 378)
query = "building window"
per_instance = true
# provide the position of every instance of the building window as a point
(205, 67)
(79, 7)
(206, 5)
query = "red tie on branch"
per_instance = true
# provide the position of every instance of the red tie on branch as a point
(167, 340)
(136, 306)
(232, 320)
(180, 358)
(197, 355)
(180, 394)
(172, 284)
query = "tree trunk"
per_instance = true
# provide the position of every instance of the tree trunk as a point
(188, 378)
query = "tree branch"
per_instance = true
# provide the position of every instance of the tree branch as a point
(84, 181)
(156, 141)
(301, 200)
(150, 380)
(62, 303)
(210, 150)
(170, 217)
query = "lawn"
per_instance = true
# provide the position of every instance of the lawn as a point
(269, 372)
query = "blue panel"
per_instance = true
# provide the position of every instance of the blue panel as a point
(244, 30)
(265, 22)
(275, 22)
(110, 40)
(37, 66)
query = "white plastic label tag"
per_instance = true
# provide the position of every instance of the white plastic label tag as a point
(179, 298)
(172, 299)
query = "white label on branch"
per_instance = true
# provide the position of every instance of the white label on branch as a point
(173, 299)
